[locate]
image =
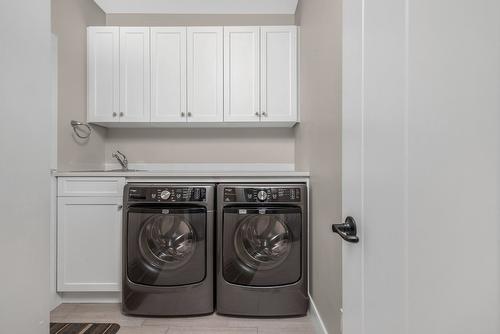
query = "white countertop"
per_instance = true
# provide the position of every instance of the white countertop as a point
(177, 174)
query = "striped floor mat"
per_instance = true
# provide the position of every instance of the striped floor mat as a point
(62, 328)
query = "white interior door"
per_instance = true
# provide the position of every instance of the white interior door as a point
(421, 153)
(134, 74)
(241, 74)
(205, 74)
(168, 74)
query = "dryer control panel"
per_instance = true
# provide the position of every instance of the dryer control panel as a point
(167, 194)
(260, 195)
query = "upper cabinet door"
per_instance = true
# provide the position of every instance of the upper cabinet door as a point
(241, 74)
(135, 96)
(279, 74)
(168, 74)
(205, 74)
(103, 74)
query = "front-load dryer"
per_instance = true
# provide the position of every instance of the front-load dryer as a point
(168, 249)
(262, 249)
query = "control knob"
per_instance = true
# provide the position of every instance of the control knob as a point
(165, 194)
(262, 195)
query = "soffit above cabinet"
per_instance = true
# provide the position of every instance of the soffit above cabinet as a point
(198, 6)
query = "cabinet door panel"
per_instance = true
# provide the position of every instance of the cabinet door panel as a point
(89, 244)
(168, 74)
(205, 74)
(103, 75)
(135, 72)
(279, 73)
(241, 74)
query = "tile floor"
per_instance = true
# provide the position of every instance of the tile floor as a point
(210, 324)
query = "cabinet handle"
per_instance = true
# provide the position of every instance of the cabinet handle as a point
(183, 114)
(264, 114)
(189, 114)
(257, 113)
(120, 206)
(121, 114)
(114, 114)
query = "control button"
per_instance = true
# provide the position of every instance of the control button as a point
(262, 195)
(165, 194)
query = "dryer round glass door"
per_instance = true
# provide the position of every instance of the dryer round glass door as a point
(261, 246)
(167, 241)
(263, 241)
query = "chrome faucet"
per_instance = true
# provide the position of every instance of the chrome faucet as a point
(122, 159)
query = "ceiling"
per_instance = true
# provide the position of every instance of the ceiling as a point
(198, 6)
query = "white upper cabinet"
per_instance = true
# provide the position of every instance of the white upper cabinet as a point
(103, 74)
(241, 74)
(168, 74)
(194, 76)
(135, 94)
(205, 74)
(278, 74)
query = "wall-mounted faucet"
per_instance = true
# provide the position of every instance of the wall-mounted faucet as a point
(122, 159)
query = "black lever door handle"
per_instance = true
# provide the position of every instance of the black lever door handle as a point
(347, 230)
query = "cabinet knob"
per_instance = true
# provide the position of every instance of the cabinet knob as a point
(189, 114)
(257, 113)
(264, 114)
(114, 114)
(121, 114)
(120, 206)
(183, 114)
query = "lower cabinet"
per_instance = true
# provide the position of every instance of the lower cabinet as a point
(89, 243)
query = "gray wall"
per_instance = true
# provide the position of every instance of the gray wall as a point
(25, 106)
(201, 145)
(318, 146)
(70, 19)
(196, 19)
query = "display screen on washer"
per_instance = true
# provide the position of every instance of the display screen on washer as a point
(262, 194)
(168, 194)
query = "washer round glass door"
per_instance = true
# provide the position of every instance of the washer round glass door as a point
(167, 241)
(166, 246)
(263, 241)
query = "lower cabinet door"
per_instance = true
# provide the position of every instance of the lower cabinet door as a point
(89, 244)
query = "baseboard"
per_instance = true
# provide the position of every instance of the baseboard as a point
(319, 325)
(91, 297)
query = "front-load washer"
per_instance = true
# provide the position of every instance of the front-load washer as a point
(168, 249)
(262, 249)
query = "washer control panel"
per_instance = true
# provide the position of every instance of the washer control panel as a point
(167, 194)
(261, 195)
